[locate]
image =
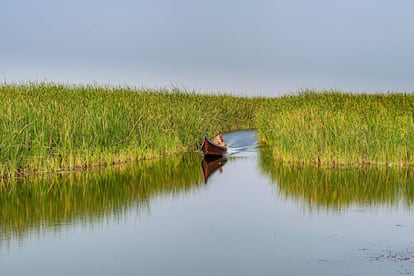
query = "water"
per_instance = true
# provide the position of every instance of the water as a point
(251, 217)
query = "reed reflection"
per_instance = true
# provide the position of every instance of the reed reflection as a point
(339, 188)
(49, 203)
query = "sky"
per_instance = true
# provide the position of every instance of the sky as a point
(248, 48)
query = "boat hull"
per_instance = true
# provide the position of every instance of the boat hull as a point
(211, 149)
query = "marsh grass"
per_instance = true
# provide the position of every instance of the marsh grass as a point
(46, 127)
(50, 127)
(340, 129)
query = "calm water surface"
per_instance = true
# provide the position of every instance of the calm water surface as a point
(251, 217)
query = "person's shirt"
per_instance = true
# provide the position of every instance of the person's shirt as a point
(218, 140)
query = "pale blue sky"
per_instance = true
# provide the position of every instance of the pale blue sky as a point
(241, 47)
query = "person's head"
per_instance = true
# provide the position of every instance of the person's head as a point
(220, 134)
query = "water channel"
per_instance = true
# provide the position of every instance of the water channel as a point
(248, 215)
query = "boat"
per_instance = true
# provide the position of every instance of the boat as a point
(210, 148)
(210, 164)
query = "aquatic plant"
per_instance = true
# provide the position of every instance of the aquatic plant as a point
(335, 129)
(51, 127)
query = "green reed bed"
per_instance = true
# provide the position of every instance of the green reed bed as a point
(333, 128)
(50, 127)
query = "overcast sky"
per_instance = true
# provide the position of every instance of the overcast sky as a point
(241, 47)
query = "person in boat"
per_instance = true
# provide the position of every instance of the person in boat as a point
(219, 140)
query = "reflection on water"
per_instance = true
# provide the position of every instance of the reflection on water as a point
(90, 197)
(131, 219)
(93, 196)
(337, 189)
(211, 164)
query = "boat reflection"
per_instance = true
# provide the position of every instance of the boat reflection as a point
(210, 164)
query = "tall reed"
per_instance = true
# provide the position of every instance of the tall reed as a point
(49, 127)
(334, 128)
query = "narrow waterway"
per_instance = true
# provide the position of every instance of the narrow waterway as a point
(251, 216)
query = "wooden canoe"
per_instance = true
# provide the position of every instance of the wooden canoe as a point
(209, 148)
(210, 164)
